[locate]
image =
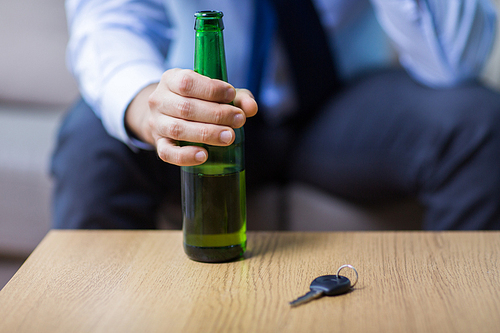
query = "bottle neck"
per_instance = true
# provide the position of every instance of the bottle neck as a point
(209, 55)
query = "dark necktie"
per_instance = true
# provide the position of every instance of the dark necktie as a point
(307, 47)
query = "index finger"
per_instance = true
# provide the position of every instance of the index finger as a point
(188, 83)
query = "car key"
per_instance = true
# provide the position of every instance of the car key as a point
(329, 285)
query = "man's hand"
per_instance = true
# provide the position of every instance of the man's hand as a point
(187, 106)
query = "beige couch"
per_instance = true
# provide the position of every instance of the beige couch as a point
(35, 89)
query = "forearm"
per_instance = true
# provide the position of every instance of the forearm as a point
(114, 53)
(441, 43)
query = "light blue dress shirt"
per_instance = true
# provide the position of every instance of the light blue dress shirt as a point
(117, 47)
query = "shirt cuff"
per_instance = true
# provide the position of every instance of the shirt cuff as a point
(117, 94)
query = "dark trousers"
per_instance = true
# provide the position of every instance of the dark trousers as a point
(382, 137)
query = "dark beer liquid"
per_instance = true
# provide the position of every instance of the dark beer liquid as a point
(214, 218)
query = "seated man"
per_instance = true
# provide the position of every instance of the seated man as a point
(333, 109)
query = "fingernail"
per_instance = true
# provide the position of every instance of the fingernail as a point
(226, 137)
(200, 156)
(238, 121)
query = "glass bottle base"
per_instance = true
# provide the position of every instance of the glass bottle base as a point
(214, 254)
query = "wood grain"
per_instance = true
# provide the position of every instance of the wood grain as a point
(141, 281)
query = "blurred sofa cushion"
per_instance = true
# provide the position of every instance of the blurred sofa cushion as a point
(28, 135)
(33, 36)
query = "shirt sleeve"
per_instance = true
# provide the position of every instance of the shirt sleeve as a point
(116, 48)
(440, 43)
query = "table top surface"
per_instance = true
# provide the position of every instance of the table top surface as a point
(141, 281)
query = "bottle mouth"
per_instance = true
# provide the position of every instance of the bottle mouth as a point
(210, 14)
(208, 20)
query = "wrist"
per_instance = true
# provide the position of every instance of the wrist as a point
(136, 116)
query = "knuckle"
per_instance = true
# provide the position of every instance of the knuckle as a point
(204, 134)
(153, 101)
(186, 83)
(218, 116)
(184, 108)
(166, 75)
(170, 72)
(174, 130)
(213, 90)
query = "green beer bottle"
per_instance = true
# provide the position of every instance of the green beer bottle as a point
(214, 194)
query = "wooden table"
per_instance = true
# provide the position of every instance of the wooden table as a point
(141, 281)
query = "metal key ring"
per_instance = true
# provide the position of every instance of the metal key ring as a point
(351, 267)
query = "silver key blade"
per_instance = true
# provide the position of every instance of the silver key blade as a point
(313, 294)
